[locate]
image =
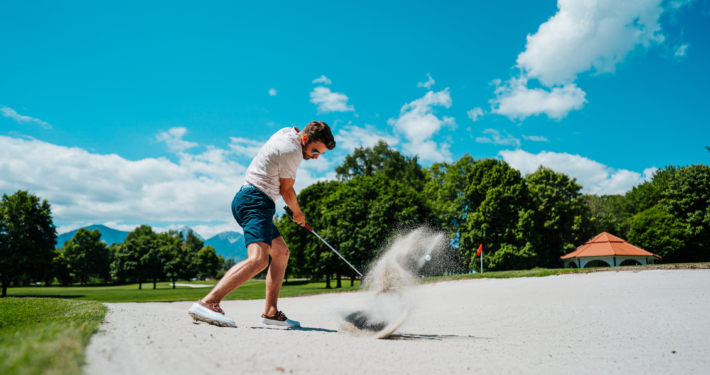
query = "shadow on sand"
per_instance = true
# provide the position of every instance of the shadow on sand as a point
(307, 329)
(411, 336)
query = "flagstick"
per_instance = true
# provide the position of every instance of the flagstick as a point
(481, 261)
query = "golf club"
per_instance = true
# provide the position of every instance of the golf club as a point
(290, 214)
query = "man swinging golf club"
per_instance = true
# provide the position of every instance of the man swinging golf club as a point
(270, 175)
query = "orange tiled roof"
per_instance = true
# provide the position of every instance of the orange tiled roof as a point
(607, 245)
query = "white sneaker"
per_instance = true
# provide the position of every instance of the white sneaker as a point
(210, 313)
(279, 320)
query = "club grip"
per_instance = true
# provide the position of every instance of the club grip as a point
(288, 212)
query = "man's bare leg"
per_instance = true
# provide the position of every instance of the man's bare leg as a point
(241, 272)
(279, 258)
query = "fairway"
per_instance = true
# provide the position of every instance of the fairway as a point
(253, 289)
(46, 336)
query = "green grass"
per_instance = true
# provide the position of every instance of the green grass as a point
(253, 289)
(46, 335)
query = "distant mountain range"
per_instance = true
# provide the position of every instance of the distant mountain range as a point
(108, 235)
(226, 244)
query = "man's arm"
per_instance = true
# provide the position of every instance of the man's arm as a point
(289, 196)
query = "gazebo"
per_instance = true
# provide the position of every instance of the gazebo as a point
(606, 250)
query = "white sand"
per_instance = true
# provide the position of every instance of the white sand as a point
(607, 322)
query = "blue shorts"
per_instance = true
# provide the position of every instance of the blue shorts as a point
(254, 211)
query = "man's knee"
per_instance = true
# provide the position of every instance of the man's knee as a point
(279, 248)
(259, 256)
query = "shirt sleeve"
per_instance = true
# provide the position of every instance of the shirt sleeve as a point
(289, 164)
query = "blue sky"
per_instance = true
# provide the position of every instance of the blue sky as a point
(127, 113)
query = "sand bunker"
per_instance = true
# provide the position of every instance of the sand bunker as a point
(386, 304)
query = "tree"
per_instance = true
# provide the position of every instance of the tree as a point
(661, 233)
(446, 188)
(87, 255)
(688, 200)
(60, 268)
(194, 243)
(609, 214)
(304, 247)
(561, 215)
(130, 258)
(27, 237)
(499, 217)
(381, 159)
(207, 262)
(364, 213)
(175, 256)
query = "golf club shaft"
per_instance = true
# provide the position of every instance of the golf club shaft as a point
(290, 214)
(336, 251)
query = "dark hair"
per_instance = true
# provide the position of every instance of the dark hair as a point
(319, 131)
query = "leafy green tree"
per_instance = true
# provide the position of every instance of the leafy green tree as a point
(661, 233)
(382, 159)
(175, 256)
(132, 256)
(649, 193)
(207, 262)
(362, 214)
(60, 268)
(194, 243)
(561, 215)
(87, 255)
(500, 217)
(446, 188)
(609, 214)
(688, 199)
(304, 247)
(27, 237)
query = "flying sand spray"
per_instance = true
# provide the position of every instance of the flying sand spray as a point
(387, 304)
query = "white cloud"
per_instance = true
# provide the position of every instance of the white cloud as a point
(245, 147)
(589, 35)
(428, 84)
(595, 177)
(272, 91)
(496, 139)
(583, 36)
(680, 52)
(323, 79)
(475, 114)
(173, 138)
(517, 102)
(86, 188)
(350, 137)
(535, 138)
(271, 123)
(11, 113)
(328, 101)
(418, 123)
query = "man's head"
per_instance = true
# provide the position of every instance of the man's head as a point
(315, 139)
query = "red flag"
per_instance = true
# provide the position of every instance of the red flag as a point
(480, 248)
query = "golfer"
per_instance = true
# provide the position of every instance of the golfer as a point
(270, 175)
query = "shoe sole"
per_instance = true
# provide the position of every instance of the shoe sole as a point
(277, 323)
(209, 321)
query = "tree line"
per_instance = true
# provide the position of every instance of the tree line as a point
(522, 221)
(28, 253)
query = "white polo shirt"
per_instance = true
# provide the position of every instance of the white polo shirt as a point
(278, 158)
